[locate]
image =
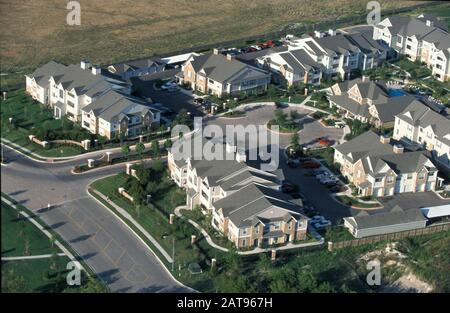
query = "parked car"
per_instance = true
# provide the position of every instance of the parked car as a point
(339, 124)
(298, 195)
(324, 141)
(336, 188)
(291, 163)
(287, 187)
(199, 101)
(311, 164)
(168, 85)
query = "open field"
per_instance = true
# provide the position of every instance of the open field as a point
(33, 32)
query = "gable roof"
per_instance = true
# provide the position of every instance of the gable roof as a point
(218, 68)
(136, 64)
(394, 217)
(256, 203)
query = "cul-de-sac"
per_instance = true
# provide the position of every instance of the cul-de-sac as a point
(225, 146)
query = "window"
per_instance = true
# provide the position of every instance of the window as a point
(71, 104)
(257, 230)
(244, 231)
(61, 94)
(276, 226)
(244, 242)
(409, 176)
(408, 47)
(390, 179)
(86, 124)
(378, 180)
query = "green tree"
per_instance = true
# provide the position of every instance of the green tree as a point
(295, 142)
(154, 149)
(271, 92)
(126, 150)
(140, 147)
(168, 144)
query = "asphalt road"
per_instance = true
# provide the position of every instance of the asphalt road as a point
(109, 247)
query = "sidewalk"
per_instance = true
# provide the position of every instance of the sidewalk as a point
(31, 257)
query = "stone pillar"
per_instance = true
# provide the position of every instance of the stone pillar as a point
(330, 246)
(86, 144)
(121, 190)
(133, 173)
(91, 163)
(224, 106)
(45, 144)
(4, 95)
(212, 110)
(10, 120)
(306, 91)
(128, 168)
(31, 137)
(95, 142)
(193, 238)
(141, 138)
(273, 255)
(213, 263)
(171, 217)
(108, 157)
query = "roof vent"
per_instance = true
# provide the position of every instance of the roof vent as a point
(216, 51)
(331, 32)
(429, 23)
(365, 78)
(398, 149)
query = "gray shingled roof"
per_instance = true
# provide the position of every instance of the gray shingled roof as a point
(112, 104)
(375, 155)
(254, 203)
(393, 106)
(43, 73)
(218, 68)
(136, 64)
(418, 114)
(394, 217)
(410, 26)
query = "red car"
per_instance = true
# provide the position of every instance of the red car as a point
(324, 141)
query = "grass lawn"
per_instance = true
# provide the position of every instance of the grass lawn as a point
(19, 235)
(40, 275)
(29, 116)
(416, 69)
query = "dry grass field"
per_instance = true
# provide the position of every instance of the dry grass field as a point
(35, 31)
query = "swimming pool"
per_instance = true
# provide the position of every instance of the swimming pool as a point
(396, 92)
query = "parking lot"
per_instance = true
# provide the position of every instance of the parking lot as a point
(174, 100)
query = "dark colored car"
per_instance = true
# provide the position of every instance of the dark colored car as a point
(287, 188)
(311, 164)
(199, 101)
(291, 163)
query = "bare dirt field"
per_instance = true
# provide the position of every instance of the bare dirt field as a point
(35, 31)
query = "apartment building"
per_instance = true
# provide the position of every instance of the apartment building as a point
(222, 75)
(245, 203)
(137, 68)
(115, 113)
(368, 101)
(292, 67)
(379, 167)
(69, 88)
(421, 125)
(342, 53)
(424, 38)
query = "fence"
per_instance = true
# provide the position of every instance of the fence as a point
(385, 237)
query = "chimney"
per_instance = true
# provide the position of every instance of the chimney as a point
(385, 139)
(241, 156)
(331, 32)
(429, 23)
(318, 34)
(216, 51)
(398, 149)
(365, 78)
(231, 57)
(96, 70)
(85, 64)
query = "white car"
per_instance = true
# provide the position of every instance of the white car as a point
(323, 176)
(328, 180)
(169, 85)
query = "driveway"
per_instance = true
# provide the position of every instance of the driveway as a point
(311, 130)
(411, 200)
(109, 247)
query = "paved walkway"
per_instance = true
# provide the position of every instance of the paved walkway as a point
(126, 215)
(320, 239)
(31, 257)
